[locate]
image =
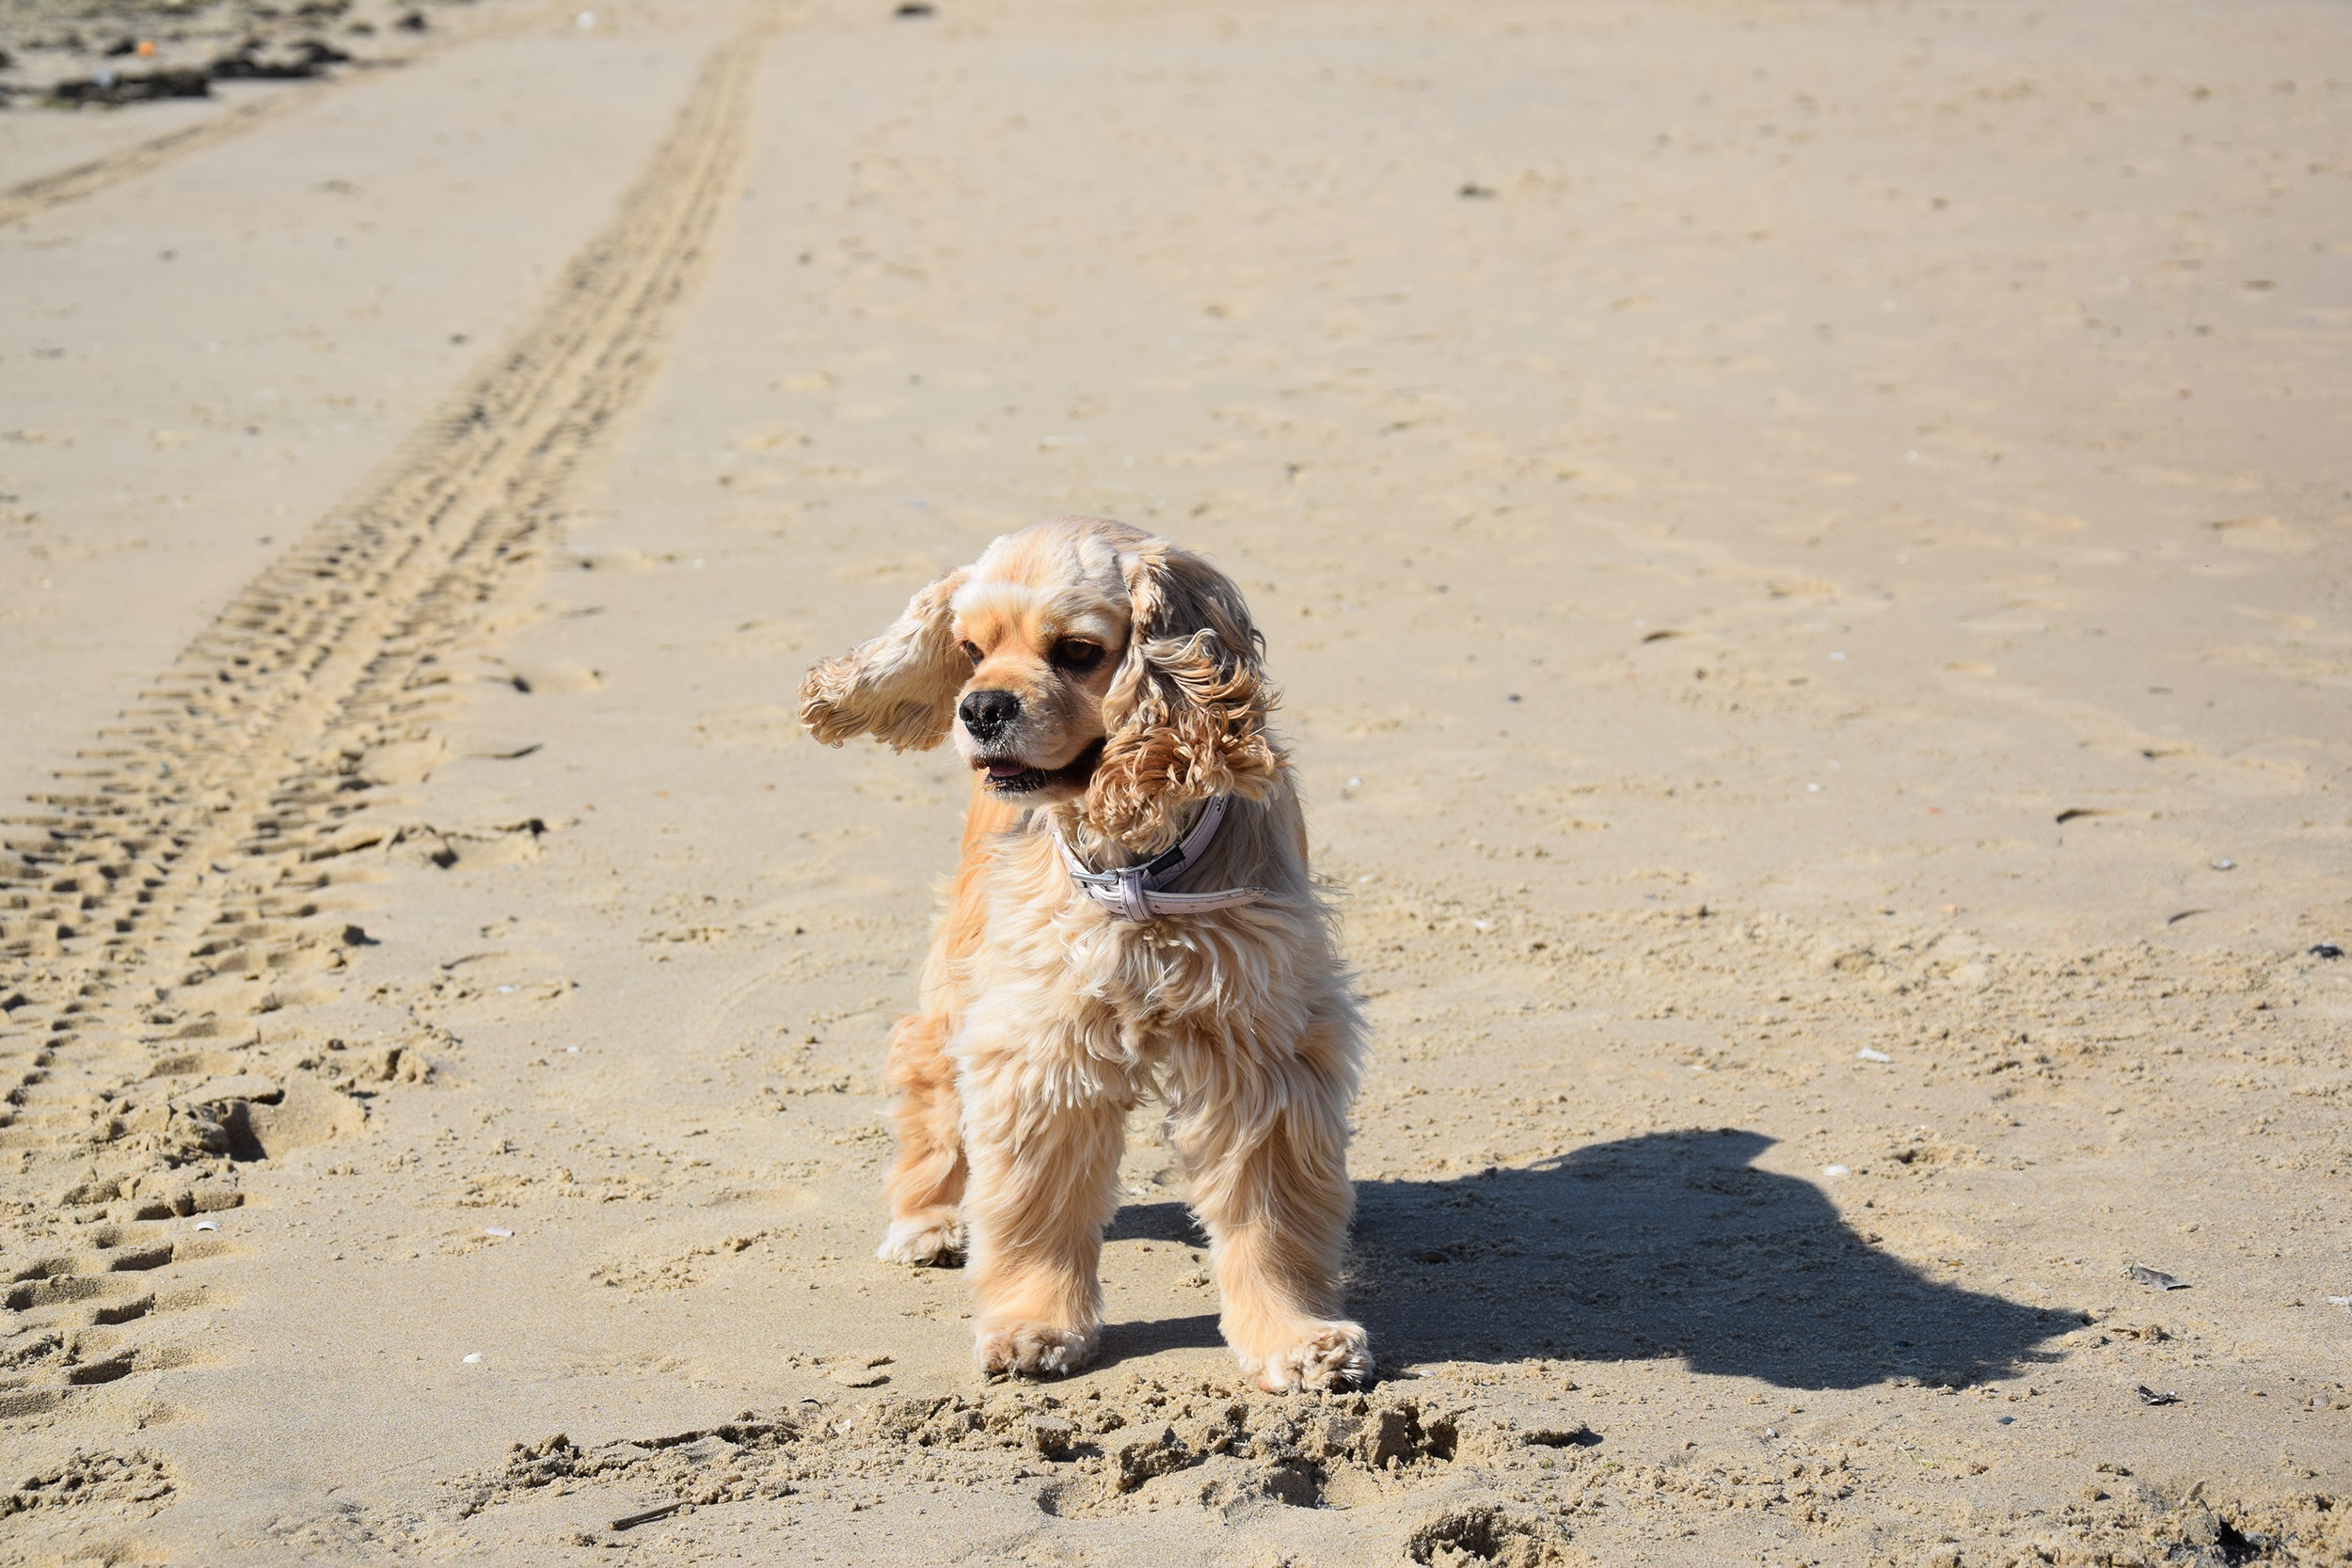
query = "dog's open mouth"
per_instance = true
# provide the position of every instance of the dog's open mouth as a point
(1011, 776)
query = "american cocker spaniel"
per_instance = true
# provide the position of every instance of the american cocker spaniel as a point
(1133, 916)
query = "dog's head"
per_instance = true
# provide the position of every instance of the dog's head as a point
(1078, 660)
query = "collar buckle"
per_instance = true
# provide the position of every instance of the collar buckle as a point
(1133, 892)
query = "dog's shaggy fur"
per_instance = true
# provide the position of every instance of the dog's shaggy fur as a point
(1107, 683)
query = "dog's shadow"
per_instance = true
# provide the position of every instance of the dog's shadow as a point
(1671, 1245)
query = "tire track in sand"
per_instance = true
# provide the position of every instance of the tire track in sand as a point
(185, 852)
(27, 196)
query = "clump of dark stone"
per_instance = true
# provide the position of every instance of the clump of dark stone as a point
(256, 61)
(113, 87)
(76, 53)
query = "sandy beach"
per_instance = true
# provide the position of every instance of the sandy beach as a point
(1807, 549)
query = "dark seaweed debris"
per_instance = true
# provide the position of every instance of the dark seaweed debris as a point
(133, 86)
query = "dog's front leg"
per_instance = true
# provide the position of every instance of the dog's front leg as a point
(1043, 1150)
(927, 1179)
(1264, 1138)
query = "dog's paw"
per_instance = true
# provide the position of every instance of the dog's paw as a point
(1333, 1355)
(931, 1241)
(1032, 1350)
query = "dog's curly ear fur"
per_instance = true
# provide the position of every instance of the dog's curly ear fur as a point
(899, 688)
(1186, 712)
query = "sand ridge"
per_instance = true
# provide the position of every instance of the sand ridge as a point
(63, 58)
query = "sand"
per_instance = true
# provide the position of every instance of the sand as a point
(1807, 548)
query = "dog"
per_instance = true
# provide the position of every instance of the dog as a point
(1133, 915)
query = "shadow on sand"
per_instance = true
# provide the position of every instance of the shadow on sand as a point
(1671, 1245)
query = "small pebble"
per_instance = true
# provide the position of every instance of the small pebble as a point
(473, 1357)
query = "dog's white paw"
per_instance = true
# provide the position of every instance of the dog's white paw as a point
(1333, 1355)
(931, 1241)
(1032, 1350)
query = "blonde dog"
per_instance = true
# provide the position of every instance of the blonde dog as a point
(1133, 916)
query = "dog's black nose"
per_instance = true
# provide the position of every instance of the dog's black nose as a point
(986, 712)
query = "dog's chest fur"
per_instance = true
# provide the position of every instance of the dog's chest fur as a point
(1140, 997)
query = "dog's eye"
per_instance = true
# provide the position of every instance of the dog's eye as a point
(971, 651)
(1073, 653)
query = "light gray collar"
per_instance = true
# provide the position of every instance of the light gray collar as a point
(1133, 891)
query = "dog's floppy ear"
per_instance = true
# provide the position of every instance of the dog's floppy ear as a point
(899, 688)
(1186, 711)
